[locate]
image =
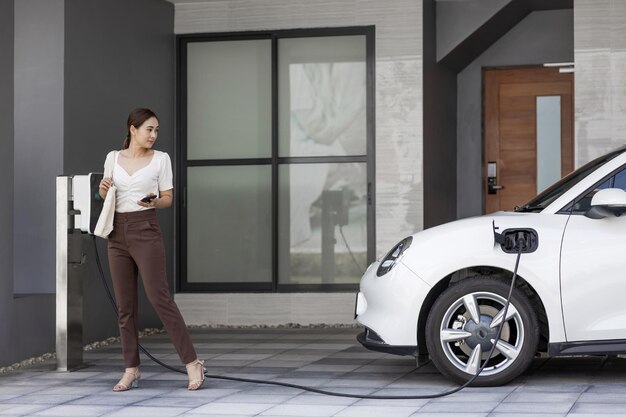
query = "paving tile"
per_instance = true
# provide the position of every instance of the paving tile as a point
(18, 390)
(120, 399)
(538, 408)
(230, 409)
(303, 410)
(360, 411)
(603, 397)
(555, 386)
(603, 388)
(207, 393)
(600, 409)
(575, 414)
(328, 368)
(134, 411)
(531, 415)
(243, 398)
(76, 410)
(181, 402)
(474, 396)
(318, 399)
(455, 407)
(43, 399)
(541, 397)
(72, 390)
(461, 414)
(391, 403)
(21, 409)
(327, 359)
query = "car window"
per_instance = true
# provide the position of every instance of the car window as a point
(615, 181)
(556, 190)
(620, 180)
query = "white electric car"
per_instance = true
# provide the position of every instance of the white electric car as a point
(442, 291)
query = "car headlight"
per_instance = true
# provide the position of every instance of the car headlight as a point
(390, 260)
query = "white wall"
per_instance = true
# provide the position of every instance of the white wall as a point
(600, 78)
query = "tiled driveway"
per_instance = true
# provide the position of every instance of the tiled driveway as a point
(325, 358)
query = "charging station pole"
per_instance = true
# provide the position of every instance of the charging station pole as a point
(69, 286)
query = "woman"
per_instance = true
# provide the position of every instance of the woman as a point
(143, 177)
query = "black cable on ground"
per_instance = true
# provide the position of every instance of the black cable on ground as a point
(324, 392)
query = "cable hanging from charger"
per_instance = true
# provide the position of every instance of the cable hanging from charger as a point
(520, 245)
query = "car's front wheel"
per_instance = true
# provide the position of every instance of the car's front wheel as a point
(462, 326)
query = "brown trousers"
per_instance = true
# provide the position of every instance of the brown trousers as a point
(135, 245)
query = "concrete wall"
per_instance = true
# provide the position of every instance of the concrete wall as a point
(600, 82)
(541, 37)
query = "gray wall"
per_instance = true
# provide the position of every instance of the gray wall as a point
(27, 325)
(115, 55)
(546, 36)
(439, 140)
(456, 20)
(119, 55)
(38, 145)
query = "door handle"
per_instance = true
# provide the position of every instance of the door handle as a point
(492, 178)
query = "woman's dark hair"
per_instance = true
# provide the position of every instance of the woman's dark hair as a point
(136, 118)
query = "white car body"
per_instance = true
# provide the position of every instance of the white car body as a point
(577, 273)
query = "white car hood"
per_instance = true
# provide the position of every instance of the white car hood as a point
(441, 250)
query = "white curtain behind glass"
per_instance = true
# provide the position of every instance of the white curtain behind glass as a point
(327, 118)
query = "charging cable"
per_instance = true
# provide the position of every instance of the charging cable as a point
(520, 243)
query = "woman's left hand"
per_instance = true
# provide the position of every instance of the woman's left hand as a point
(149, 204)
(163, 201)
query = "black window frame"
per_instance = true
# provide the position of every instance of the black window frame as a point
(182, 163)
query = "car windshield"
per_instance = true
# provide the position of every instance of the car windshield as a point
(557, 189)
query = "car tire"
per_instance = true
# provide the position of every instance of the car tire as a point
(460, 329)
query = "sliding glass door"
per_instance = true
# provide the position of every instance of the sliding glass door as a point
(276, 160)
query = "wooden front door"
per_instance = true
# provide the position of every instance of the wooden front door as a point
(510, 127)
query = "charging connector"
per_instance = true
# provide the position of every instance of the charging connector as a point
(511, 240)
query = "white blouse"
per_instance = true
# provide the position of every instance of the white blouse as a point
(154, 177)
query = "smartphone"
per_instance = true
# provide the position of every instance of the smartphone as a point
(148, 198)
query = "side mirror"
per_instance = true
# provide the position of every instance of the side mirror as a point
(606, 203)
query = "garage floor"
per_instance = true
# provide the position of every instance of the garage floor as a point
(325, 358)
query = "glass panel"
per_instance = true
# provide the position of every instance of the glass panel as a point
(322, 96)
(229, 99)
(620, 180)
(548, 141)
(229, 224)
(323, 239)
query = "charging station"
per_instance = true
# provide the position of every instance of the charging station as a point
(78, 205)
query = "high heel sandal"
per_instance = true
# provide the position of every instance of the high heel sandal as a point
(195, 384)
(129, 380)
